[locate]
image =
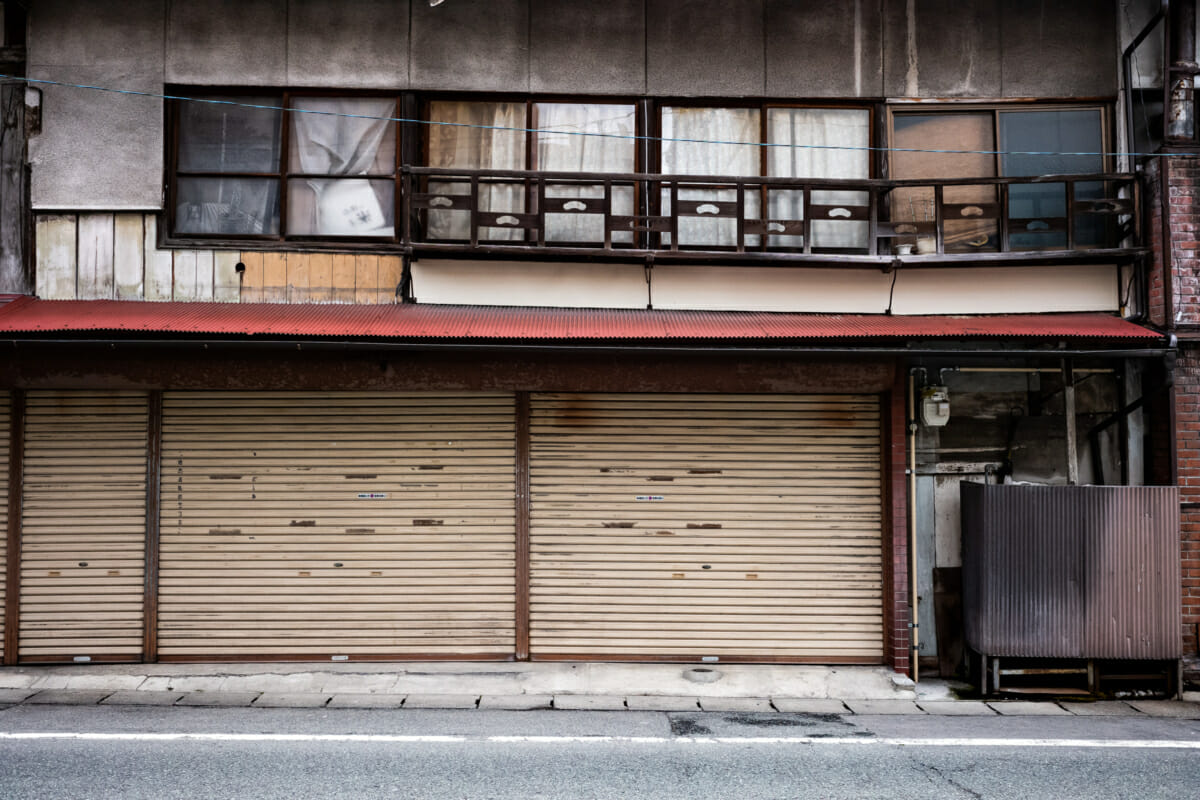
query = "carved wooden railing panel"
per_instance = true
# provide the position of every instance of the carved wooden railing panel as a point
(775, 218)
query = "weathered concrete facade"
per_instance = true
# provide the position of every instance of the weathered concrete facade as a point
(101, 173)
(105, 151)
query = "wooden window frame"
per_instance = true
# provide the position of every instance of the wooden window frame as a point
(282, 175)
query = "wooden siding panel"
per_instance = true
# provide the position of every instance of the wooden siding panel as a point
(227, 281)
(83, 525)
(129, 266)
(274, 277)
(706, 525)
(338, 524)
(252, 278)
(56, 256)
(95, 246)
(320, 278)
(390, 268)
(160, 266)
(343, 278)
(366, 279)
(298, 267)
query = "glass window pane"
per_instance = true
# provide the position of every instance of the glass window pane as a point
(971, 212)
(229, 138)
(347, 207)
(813, 138)
(324, 142)
(561, 148)
(474, 135)
(715, 149)
(1051, 142)
(1064, 138)
(244, 206)
(717, 152)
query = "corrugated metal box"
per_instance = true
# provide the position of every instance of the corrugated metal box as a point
(1071, 571)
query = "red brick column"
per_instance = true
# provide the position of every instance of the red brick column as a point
(1181, 306)
(1187, 438)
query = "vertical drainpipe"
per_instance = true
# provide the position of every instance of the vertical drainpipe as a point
(1181, 120)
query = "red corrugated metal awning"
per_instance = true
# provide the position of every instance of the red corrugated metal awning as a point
(133, 319)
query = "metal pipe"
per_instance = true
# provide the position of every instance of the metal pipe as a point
(1028, 370)
(1127, 69)
(1181, 121)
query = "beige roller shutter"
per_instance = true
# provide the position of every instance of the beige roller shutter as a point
(5, 439)
(706, 525)
(321, 525)
(83, 525)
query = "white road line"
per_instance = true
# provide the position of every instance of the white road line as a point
(371, 738)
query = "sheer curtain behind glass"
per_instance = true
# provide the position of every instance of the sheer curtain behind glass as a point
(830, 128)
(718, 154)
(221, 141)
(560, 148)
(472, 141)
(342, 136)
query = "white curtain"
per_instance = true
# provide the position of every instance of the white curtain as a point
(471, 143)
(707, 158)
(328, 143)
(561, 149)
(819, 126)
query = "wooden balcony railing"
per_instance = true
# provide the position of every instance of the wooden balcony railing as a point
(1052, 218)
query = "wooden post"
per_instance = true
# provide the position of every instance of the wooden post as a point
(12, 577)
(153, 527)
(1068, 375)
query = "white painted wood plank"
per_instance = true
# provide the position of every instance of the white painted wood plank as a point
(55, 235)
(185, 275)
(128, 256)
(95, 257)
(204, 274)
(159, 264)
(227, 283)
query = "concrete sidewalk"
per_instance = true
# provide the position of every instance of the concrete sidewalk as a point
(738, 688)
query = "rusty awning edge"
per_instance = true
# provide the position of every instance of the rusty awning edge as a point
(35, 318)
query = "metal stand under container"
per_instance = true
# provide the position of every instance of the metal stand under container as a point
(1072, 581)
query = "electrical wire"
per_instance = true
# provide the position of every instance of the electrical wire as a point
(595, 134)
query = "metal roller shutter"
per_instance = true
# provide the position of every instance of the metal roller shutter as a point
(83, 525)
(706, 525)
(337, 524)
(5, 438)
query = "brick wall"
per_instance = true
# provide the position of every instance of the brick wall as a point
(1187, 438)
(1182, 176)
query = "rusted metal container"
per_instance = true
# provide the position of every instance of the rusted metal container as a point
(1071, 571)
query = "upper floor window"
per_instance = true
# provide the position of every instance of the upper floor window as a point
(310, 166)
(785, 142)
(246, 168)
(544, 136)
(1002, 142)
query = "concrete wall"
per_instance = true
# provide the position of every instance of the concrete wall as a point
(100, 150)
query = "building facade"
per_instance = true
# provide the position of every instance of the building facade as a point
(647, 330)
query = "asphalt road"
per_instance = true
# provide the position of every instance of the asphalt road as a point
(137, 752)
